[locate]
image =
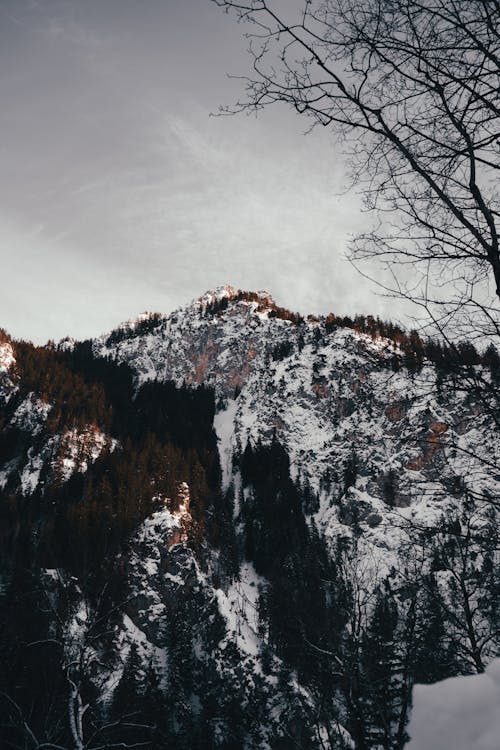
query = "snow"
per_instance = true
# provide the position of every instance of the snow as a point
(461, 713)
(238, 606)
(7, 358)
(78, 624)
(31, 414)
(30, 475)
(157, 525)
(330, 395)
(5, 473)
(60, 454)
(81, 448)
(224, 428)
(149, 654)
(221, 292)
(67, 344)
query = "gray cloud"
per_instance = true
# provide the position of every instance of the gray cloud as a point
(121, 193)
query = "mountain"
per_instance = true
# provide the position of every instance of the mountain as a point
(236, 527)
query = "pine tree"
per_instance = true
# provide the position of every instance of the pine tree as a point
(380, 667)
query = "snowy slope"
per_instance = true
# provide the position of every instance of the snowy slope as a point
(7, 358)
(328, 396)
(386, 453)
(460, 713)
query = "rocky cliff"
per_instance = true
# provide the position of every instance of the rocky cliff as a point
(245, 528)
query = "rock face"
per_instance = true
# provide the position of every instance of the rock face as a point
(364, 454)
(331, 396)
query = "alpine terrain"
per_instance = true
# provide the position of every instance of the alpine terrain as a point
(234, 527)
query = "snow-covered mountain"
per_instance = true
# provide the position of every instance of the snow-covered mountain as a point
(332, 397)
(294, 518)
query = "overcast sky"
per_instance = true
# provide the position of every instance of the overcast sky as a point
(120, 193)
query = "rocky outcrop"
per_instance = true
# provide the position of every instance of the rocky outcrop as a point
(330, 394)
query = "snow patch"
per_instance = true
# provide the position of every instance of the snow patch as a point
(218, 294)
(31, 414)
(238, 606)
(460, 713)
(80, 448)
(30, 475)
(224, 428)
(7, 358)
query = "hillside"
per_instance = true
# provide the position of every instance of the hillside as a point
(235, 527)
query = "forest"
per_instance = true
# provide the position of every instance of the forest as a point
(355, 642)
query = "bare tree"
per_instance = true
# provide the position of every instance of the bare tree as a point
(411, 87)
(77, 719)
(465, 574)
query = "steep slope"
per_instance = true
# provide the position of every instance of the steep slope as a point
(339, 400)
(345, 547)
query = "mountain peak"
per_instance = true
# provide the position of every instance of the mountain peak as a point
(229, 293)
(225, 291)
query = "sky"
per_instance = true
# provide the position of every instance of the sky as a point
(120, 193)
